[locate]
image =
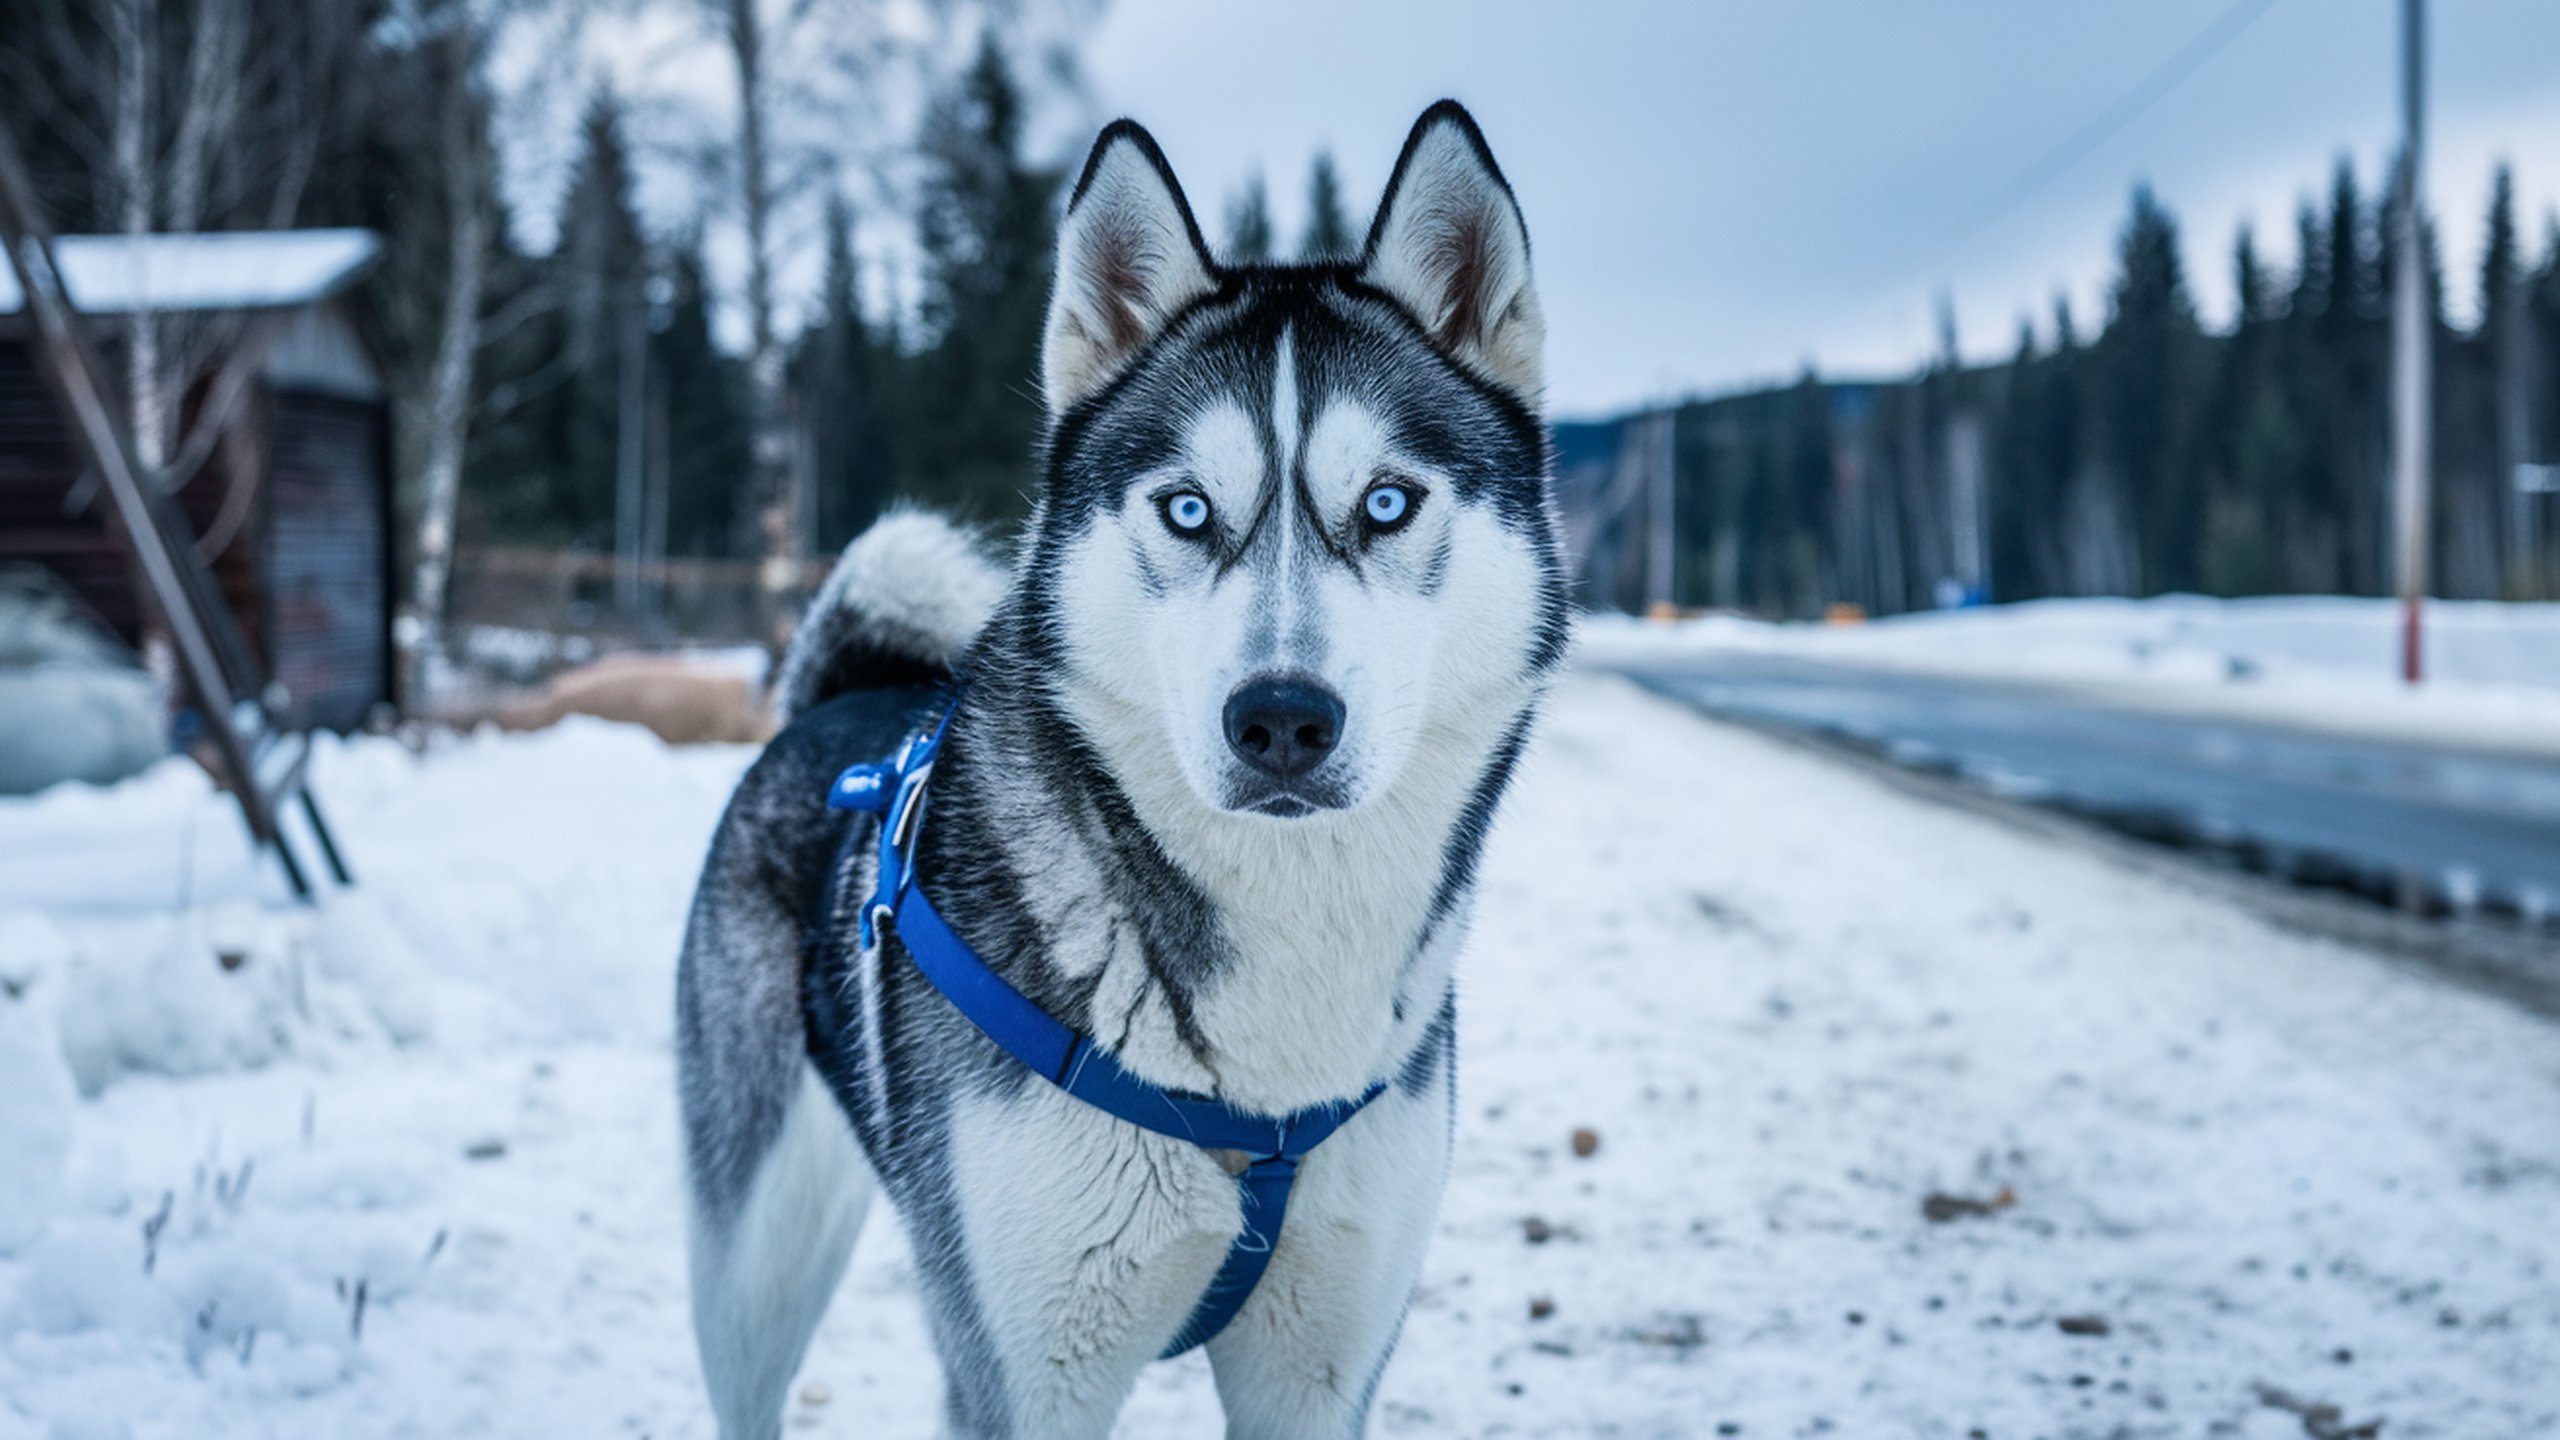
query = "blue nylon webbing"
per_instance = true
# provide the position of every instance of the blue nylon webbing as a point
(1072, 1062)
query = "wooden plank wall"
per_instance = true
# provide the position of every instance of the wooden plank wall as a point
(324, 560)
(307, 578)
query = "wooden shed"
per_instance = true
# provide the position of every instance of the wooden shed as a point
(293, 508)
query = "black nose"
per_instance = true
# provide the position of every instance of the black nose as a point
(1283, 727)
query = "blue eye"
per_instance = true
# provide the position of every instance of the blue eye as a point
(1387, 505)
(1187, 511)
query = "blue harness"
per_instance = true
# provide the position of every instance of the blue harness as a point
(894, 789)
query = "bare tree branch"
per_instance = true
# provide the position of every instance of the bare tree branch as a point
(207, 111)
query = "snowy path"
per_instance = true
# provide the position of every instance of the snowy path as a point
(1792, 1003)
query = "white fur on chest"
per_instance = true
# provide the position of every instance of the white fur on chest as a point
(1090, 1241)
(1324, 914)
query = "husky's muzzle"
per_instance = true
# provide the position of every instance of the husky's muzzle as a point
(1283, 728)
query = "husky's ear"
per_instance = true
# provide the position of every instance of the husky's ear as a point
(1129, 258)
(1448, 244)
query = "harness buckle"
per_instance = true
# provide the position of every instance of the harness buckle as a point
(1283, 1167)
(864, 787)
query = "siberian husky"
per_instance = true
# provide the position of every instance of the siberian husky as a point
(1216, 760)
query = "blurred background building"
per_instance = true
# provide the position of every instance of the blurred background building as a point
(288, 496)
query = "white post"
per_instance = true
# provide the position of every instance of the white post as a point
(1659, 437)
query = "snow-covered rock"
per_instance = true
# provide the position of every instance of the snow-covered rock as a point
(73, 704)
(73, 722)
(220, 987)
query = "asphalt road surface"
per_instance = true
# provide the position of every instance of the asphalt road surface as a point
(2399, 822)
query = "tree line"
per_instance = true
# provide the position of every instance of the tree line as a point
(590, 392)
(2155, 455)
(937, 403)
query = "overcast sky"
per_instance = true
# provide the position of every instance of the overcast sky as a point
(1718, 193)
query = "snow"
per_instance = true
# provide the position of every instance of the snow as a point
(231, 270)
(2319, 661)
(36, 1098)
(408, 1165)
(75, 722)
(73, 704)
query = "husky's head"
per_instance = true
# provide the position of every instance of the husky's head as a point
(1295, 526)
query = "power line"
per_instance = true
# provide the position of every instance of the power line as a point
(2147, 92)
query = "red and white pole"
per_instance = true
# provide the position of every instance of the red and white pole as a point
(2412, 345)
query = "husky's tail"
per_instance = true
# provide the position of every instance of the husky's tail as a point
(904, 600)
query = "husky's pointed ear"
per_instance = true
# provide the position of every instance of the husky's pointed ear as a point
(1130, 257)
(1449, 245)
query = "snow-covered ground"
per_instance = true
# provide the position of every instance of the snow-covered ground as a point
(2323, 661)
(406, 1166)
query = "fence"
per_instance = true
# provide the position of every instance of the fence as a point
(584, 592)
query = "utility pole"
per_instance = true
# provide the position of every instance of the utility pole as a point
(2412, 390)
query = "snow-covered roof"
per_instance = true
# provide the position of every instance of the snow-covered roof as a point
(231, 270)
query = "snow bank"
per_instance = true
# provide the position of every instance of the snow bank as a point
(275, 1169)
(73, 705)
(69, 722)
(2327, 662)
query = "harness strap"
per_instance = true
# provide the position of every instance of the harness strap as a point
(895, 789)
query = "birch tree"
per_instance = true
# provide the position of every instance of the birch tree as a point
(457, 88)
(172, 121)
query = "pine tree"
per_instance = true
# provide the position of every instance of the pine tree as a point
(2064, 422)
(2149, 379)
(2250, 440)
(839, 373)
(2485, 439)
(2310, 293)
(2501, 254)
(701, 400)
(2351, 261)
(597, 271)
(965, 437)
(1805, 474)
(1328, 234)
(2253, 291)
(1249, 236)
(2382, 289)
(509, 480)
(2347, 359)
(2020, 472)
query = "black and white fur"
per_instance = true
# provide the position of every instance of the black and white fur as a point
(1102, 837)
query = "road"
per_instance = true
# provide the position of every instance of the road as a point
(2389, 819)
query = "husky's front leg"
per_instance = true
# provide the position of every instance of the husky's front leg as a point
(1088, 1242)
(1303, 1357)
